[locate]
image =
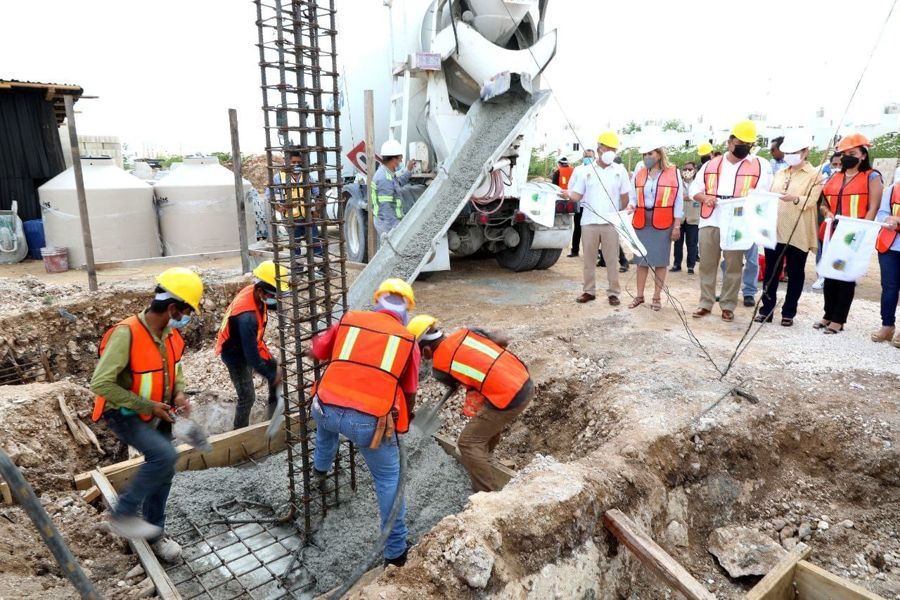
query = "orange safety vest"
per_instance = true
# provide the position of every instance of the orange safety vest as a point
(746, 179)
(886, 237)
(146, 364)
(244, 302)
(480, 364)
(848, 200)
(664, 205)
(371, 352)
(565, 175)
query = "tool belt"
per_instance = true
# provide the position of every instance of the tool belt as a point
(384, 428)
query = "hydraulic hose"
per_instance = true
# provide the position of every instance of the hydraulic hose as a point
(378, 547)
(24, 495)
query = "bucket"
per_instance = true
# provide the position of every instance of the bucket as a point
(56, 260)
(34, 236)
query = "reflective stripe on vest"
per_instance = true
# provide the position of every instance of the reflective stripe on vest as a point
(377, 199)
(850, 199)
(370, 354)
(296, 195)
(245, 302)
(745, 179)
(886, 237)
(479, 364)
(151, 377)
(664, 203)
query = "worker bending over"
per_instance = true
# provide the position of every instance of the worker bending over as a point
(241, 345)
(367, 393)
(387, 203)
(498, 388)
(138, 381)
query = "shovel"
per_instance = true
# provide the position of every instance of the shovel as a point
(427, 421)
(277, 416)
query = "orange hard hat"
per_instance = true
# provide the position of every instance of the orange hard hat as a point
(852, 141)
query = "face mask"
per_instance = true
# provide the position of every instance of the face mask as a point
(608, 157)
(741, 150)
(848, 161)
(650, 162)
(793, 159)
(271, 302)
(688, 175)
(180, 323)
(586, 160)
(295, 169)
(396, 305)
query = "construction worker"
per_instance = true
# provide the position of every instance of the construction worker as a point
(241, 345)
(387, 203)
(705, 151)
(138, 382)
(367, 393)
(730, 176)
(290, 202)
(498, 388)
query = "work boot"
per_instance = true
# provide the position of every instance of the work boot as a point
(133, 527)
(321, 480)
(398, 561)
(166, 549)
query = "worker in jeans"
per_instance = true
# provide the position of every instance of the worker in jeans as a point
(498, 389)
(241, 345)
(367, 393)
(138, 382)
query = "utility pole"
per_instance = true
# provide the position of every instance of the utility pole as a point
(239, 190)
(82, 200)
(371, 237)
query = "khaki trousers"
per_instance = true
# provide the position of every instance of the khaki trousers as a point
(479, 438)
(710, 255)
(592, 236)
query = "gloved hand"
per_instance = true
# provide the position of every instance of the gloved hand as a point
(473, 403)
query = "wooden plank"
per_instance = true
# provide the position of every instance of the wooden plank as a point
(815, 583)
(77, 433)
(165, 589)
(6, 493)
(90, 494)
(778, 584)
(654, 557)
(502, 474)
(228, 448)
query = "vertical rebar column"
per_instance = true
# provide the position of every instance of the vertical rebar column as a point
(299, 80)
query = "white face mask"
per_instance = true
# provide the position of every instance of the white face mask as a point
(608, 157)
(793, 159)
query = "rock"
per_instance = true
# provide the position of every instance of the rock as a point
(135, 572)
(789, 543)
(778, 524)
(677, 534)
(847, 523)
(823, 526)
(804, 531)
(787, 531)
(677, 508)
(743, 551)
(474, 565)
(146, 589)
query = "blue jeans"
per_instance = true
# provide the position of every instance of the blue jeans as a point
(890, 286)
(383, 462)
(150, 487)
(300, 237)
(751, 271)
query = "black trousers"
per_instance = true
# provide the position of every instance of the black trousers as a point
(690, 234)
(838, 298)
(576, 233)
(796, 272)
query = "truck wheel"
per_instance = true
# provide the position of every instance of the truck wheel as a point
(521, 257)
(355, 232)
(549, 256)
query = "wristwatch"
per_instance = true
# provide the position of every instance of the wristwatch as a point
(796, 201)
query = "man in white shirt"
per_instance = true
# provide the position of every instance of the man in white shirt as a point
(730, 176)
(602, 187)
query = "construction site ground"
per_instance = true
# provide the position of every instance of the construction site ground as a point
(618, 422)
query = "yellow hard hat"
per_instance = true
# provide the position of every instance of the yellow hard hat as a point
(704, 149)
(608, 139)
(183, 284)
(268, 272)
(419, 324)
(745, 131)
(397, 286)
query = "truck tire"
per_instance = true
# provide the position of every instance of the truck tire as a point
(549, 256)
(355, 231)
(521, 257)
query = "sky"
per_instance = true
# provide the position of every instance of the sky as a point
(166, 72)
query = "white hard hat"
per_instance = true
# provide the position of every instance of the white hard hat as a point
(650, 144)
(391, 148)
(795, 142)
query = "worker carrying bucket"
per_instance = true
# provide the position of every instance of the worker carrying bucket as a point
(139, 383)
(367, 393)
(387, 203)
(498, 388)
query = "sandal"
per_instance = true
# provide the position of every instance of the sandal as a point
(656, 304)
(878, 337)
(761, 318)
(821, 324)
(638, 300)
(830, 331)
(786, 322)
(896, 341)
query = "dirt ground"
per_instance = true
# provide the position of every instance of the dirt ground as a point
(618, 421)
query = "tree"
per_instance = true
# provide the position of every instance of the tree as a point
(674, 125)
(631, 127)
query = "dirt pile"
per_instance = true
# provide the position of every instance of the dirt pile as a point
(254, 167)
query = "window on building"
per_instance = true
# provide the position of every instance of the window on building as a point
(576, 147)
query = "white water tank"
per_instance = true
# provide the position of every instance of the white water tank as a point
(120, 208)
(197, 211)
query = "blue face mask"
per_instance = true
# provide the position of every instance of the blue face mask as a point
(180, 323)
(295, 168)
(271, 302)
(586, 160)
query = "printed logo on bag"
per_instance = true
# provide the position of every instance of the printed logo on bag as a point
(854, 239)
(839, 265)
(739, 211)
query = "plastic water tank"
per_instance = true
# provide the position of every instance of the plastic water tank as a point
(120, 207)
(197, 211)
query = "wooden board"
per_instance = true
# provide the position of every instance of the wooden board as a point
(502, 474)
(165, 589)
(228, 448)
(778, 584)
(815, 583)
(654, 557)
